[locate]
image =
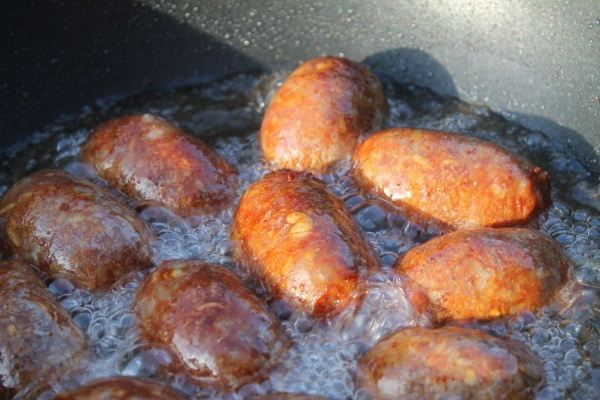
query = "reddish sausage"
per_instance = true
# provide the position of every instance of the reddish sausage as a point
(122, 388)
(299, 239)
(486, 273)
(319, 113)
(451, 362)
(72, 228)
(449, 179)
(221, 331)
(36, 335)
(150, 159)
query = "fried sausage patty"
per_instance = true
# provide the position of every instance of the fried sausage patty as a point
(150, 159)
(486, 273)
(451, 180)
(301, 241)
(319, 112)
(71, 228)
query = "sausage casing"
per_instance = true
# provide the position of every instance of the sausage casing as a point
(149, 159)
(37, 336)
(486, 273)
(299, 239)
(319, 112)
(452, 180)
(121, 388)
(71, 228)
(220, 330)
(450, 362)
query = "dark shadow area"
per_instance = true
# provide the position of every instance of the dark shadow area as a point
(406, 65)
(57, 56)
(566, 139)
(414, 66)
(60, 55)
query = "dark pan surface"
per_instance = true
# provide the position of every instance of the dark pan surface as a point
(535, 61)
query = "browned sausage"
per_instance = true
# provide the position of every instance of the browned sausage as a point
(217, 326)
(122, 388)
(149, 159)
(319, 113)
(451, 362)
(299, 239)
(287, 396)
(485, 272)
(36, 335)
(69, 227)
(449, 179)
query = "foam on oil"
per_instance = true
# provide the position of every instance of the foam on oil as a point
(323, 357)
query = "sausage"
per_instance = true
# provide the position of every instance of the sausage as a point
(287, 396)
(151, 160)
(450, 180)
(122, 388)
(451, 362)
(71, 228)
(221, 331)
(299, 239)
(486, 273)
(319, 112)
(37, 336)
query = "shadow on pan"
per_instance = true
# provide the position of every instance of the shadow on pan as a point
(58, 56)
(414, 66)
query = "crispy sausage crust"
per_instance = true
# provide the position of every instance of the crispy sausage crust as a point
(122, 388)
(70, 227)
(486, 273)
(301, 241)
(450, 179)
(319, 112)
(36, 334)
(421, 363)
(217, 326)
(149, 159)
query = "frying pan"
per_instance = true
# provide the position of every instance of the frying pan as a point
(534, 61)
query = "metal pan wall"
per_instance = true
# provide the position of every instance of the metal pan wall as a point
(535, 60)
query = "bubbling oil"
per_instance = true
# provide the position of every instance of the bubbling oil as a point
(322, 359)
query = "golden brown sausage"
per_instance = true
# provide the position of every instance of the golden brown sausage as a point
(217, 326)
(122, 388)
(299, 239)
(486, 273)
(36, 335)
(319, 112)
(71, 228)
(421, 363)
(449, 179)
(149, 159)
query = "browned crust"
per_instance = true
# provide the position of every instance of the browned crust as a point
(450, 180)
(69, 227)
(37, 336)
(220, 330)
(486, 273)
(122, 388)
(300, 240)
(418, 363)
(319, 112)
(149, 159)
